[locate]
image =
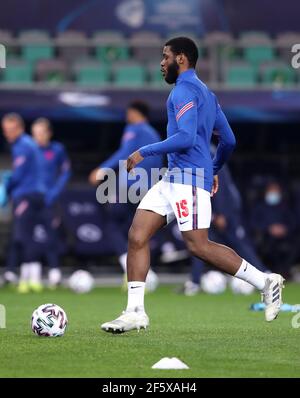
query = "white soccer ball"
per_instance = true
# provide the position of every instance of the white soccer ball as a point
(238, 286)
(49, 320)
(81, 281)
(213, 282)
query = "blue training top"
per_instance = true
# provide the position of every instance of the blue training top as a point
(193, 114)
(57, 170)
(28, 171)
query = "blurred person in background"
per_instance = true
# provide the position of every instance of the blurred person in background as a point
(137, 132)
(57, 174)
(273, 222)
(26, 188)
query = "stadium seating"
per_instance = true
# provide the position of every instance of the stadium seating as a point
(36, 45)
(110, 46)
(72, 45)
(52, 71)
(129, 75)
(240, 74)
(91, 73)
(258, 47)
(110, 58)
(6, 38)
(17, 72)
(278, 74)
(146, 46)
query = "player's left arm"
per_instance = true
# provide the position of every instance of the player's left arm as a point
(185, 111)
(63, 177)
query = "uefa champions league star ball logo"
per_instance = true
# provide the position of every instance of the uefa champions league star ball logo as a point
(131, 13)
(296, 58)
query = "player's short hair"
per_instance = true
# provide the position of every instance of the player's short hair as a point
(141, 107)
(44, 121)
(186, 46)
(14, 117)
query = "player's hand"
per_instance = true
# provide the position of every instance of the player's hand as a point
(133, 160)
(96, 176)
(215, 186)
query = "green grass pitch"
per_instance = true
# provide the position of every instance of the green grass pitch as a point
(216, 336)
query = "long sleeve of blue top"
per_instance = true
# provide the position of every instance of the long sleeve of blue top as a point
(27, 174)
(63, 177)
(20, 159)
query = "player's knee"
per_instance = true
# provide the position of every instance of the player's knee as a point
(136, 238)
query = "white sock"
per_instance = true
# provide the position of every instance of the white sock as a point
(54, 276)
(252, 275)
(35, 272)
(123, 261)
(24, 272)
(136, 292)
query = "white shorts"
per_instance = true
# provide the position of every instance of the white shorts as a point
(190, 205)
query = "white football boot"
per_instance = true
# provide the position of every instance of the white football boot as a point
(272, 296)
(129, 320)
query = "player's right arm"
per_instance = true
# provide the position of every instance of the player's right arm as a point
(64, 165)
(20, 161)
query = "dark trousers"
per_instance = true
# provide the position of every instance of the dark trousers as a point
(27, 211)
(50, 221)
(119, 217)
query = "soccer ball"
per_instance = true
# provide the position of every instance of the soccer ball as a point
(238, 286)
(151, 282)
(81, 281)
(49, 320)
(213, 282)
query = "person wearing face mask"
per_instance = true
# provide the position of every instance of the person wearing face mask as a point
(273, 224)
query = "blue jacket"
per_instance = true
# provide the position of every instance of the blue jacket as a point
(193, 114)
(57, 170)
(28, 171)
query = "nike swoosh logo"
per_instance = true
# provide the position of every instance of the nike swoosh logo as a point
(135, 287)
(246, 268)
(182, 222)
